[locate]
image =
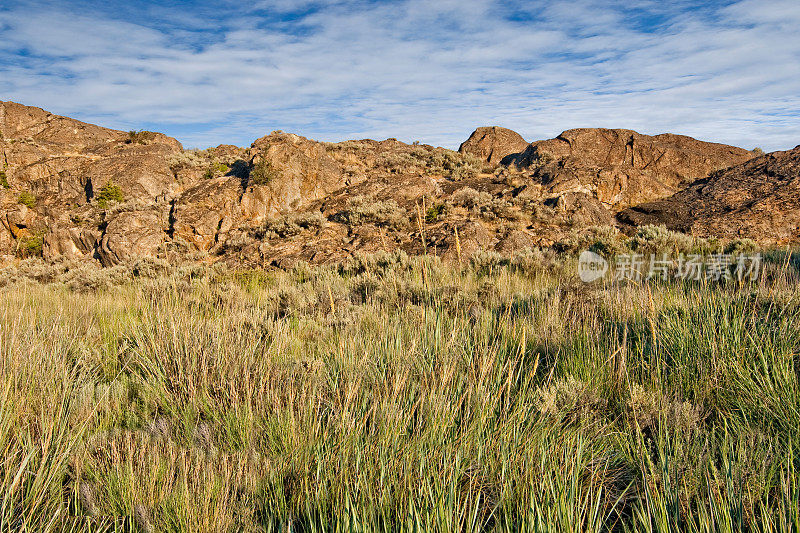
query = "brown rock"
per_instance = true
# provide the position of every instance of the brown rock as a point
(132, 234)
(493, 144)
(759, 199)
(70, 243)
(622, 167)
(304, 173)
(66, 162)
(205, 213)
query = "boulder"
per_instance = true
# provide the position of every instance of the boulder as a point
(493, 144)
(131, 235)
(204, 214)
(300, 172)
(67, 162)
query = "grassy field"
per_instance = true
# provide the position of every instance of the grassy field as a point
(397, 394)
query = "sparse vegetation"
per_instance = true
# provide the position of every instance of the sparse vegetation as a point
(27, 199)
(398, 393)
(434, 212)
(216, 169)
(757, 151)
(263, 173)
(658, 239)
(365, 210)
(290, 225)
(188, 159)
(140, 137)
(110, 193)
(4, 180)
(30, 245)
(482, 203)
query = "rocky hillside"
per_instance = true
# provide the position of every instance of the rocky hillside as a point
(759, 199)
(70, 190)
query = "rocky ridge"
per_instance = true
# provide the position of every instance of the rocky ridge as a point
(71, 190)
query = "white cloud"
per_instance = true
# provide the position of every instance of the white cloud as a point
(413, 69)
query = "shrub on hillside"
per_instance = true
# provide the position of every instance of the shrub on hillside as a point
(291, 224)
(741, 246)
(434, 212)
(658, 239)
(482, 203)
(140, 137)
(27, 199)
(365, 210)
(487, 261)
(187, 159)
(4, 180)
(263, 173)
(30, 246)
(110, 193)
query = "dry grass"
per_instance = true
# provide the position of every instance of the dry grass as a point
(397, 393)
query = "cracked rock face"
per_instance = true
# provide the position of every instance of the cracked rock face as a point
(622, 168)
(759, 199)
(82, 192)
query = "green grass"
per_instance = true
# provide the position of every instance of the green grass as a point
(398, 394)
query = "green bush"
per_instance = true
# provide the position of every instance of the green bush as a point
(434, 212)
(108, 194)
(741, 246)
(30, 246)
(26, 199)
(216, 169)
(4, 180)
(263, 173)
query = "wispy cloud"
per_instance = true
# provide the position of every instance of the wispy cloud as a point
(412, 69)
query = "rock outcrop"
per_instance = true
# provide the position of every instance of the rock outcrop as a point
(493, 144)
(71, 190)
(59, 169)
(759, 199)
(622, 168)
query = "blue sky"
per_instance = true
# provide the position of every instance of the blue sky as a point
(229, 72)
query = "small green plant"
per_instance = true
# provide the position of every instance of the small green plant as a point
(216, 169)
(109, 193)
(27, 199)
(30, 246)
(757, 151)
(4, 180)
(434, 212)
(263, 173)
